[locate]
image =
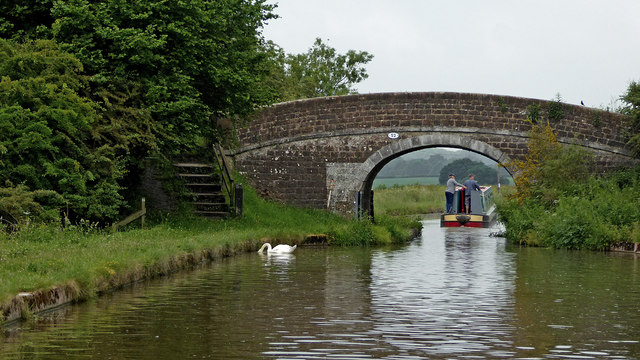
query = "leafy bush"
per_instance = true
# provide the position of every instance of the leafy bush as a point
(559, 203)
(596, 120)
(533, 112)
(527, 172)
(502, 105)
(46, 137)
(590, 215)
(354, 233)
(565, 170)
(555, 109)
(569, 226)
(18, 205)
(519, 219)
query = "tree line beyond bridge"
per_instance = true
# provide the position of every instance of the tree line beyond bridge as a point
(322, 152)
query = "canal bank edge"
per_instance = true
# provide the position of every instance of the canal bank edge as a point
(629, 247)
(26, 304)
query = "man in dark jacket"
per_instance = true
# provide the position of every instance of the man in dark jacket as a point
(470, 185)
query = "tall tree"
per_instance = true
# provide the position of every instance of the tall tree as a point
(181, 62)
(463, 167)
(321, 71)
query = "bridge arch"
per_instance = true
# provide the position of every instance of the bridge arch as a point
(320, 152)
(371, 167)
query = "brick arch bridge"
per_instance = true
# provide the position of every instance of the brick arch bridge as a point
(321, 152)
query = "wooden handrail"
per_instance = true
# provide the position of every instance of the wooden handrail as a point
(140, 214)
(227, 179)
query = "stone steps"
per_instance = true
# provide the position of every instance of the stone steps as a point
(205, 187)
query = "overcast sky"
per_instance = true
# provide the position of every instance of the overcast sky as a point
(583, 49)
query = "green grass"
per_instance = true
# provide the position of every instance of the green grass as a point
(409, 200)
(389, 182)
(89, 260)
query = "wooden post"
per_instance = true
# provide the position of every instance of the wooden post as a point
(138, 214)
(239, 199)
(144, 211)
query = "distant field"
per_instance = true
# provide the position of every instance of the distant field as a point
(418, 199)
(389, 182)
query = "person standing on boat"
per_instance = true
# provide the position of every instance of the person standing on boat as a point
(470, 185)
(451, 189)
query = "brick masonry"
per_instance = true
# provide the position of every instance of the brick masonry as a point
(319, 152)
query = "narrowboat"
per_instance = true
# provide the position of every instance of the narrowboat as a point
(482, 208)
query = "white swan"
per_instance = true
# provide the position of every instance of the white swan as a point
(280, 249)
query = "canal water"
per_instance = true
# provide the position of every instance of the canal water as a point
(453, 293)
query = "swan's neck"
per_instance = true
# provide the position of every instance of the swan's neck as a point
(265, 245)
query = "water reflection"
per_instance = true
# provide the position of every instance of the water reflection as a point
(454, 293)
(455, 301)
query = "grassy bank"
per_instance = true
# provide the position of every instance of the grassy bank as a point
(592, 213)
(89, 260)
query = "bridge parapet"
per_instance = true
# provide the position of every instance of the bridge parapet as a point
(319, 117)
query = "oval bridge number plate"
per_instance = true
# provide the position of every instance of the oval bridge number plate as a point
(393, 135)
